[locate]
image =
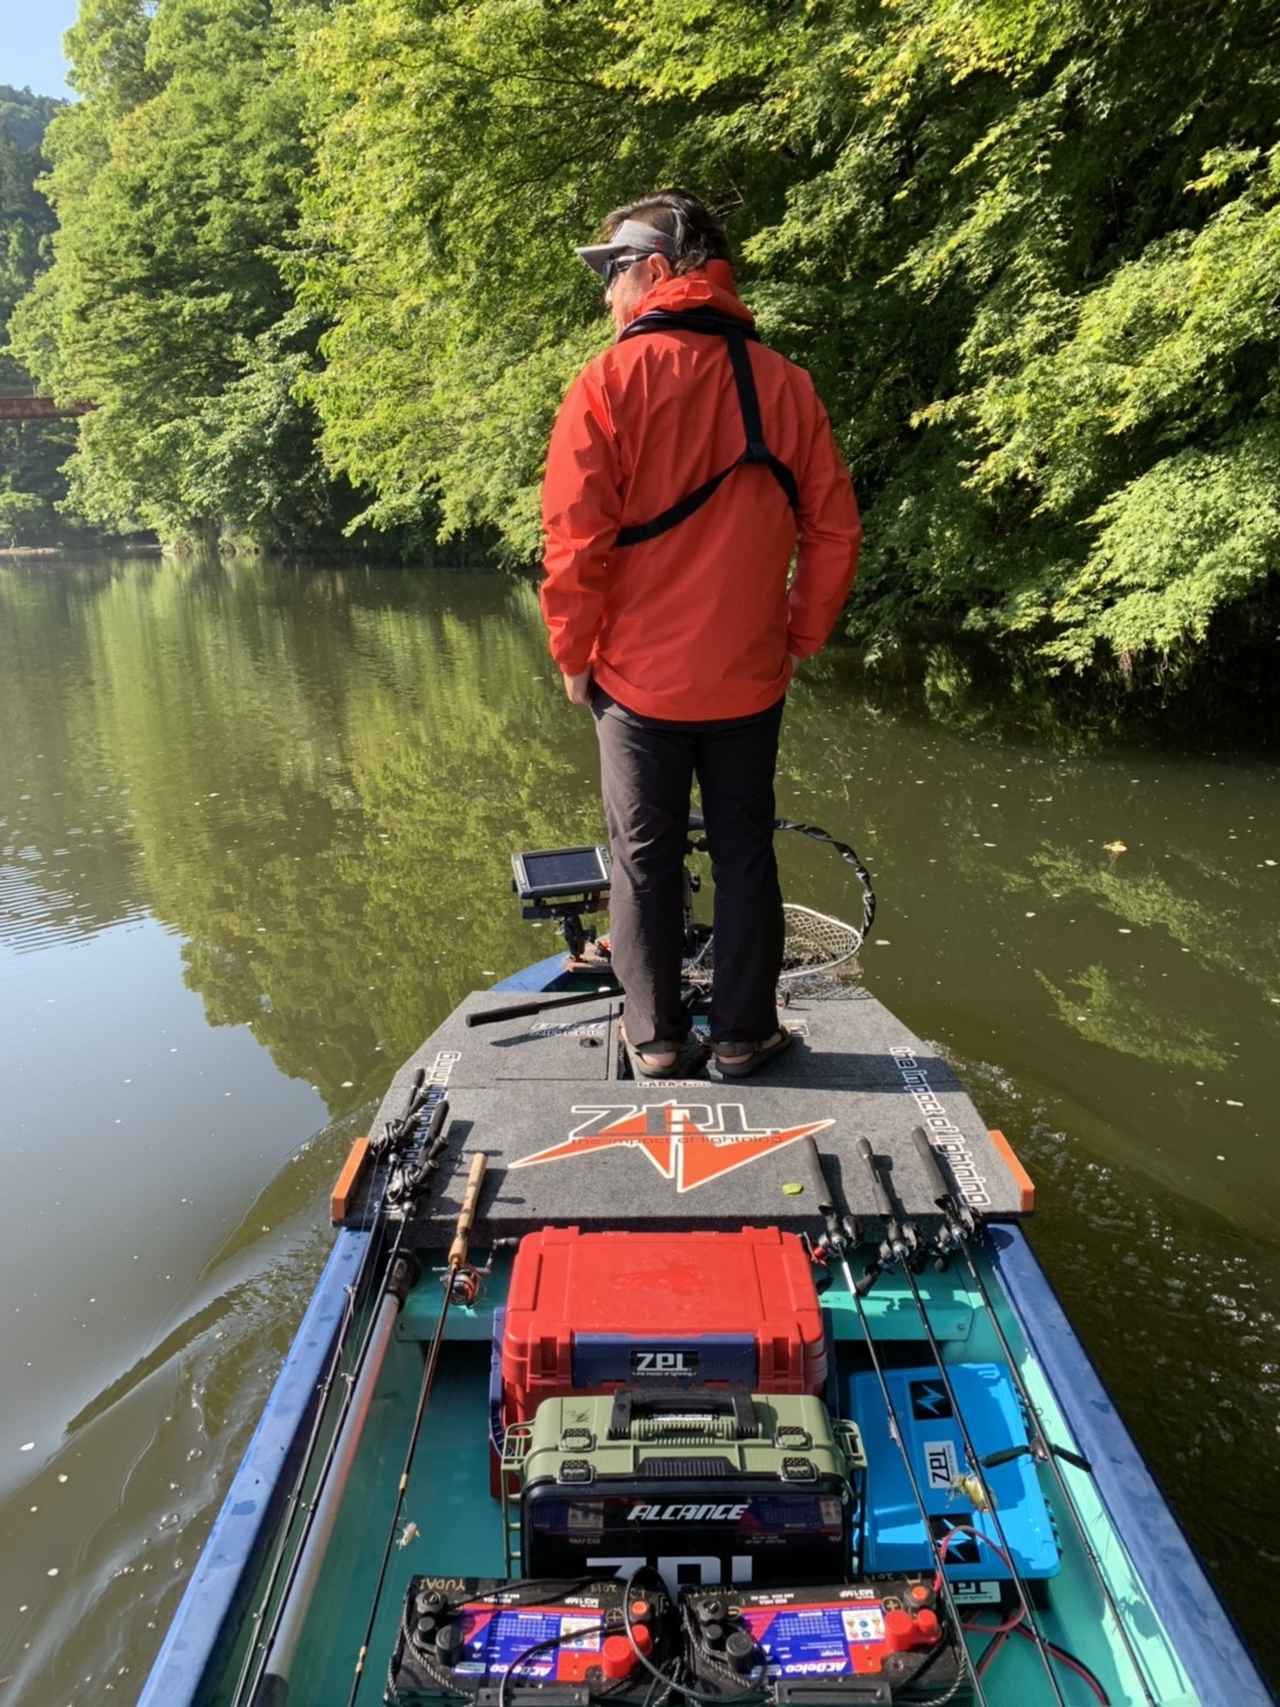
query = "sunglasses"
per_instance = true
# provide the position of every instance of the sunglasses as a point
(613, 269)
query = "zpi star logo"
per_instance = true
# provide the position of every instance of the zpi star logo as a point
(690, 1143)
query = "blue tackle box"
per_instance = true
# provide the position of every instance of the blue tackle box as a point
(895, 1540)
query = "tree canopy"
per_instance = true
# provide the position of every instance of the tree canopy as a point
(315, 268)
(31, 454)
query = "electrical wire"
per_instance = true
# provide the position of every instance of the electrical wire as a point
(1015, 1626)
(975, 1463)
(960, 1225)
(652, 1700)
(1049, 1457)
(686, 1689)
(895, 1429)
(542, 1647)
(1073, 1664)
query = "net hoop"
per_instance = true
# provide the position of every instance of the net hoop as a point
(815, 945)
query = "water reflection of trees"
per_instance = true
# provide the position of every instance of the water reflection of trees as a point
(315, 777)
(64, 818)
(324, 776)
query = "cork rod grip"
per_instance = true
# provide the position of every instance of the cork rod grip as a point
(467, 1214)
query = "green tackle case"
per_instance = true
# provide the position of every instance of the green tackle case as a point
(706, 1485)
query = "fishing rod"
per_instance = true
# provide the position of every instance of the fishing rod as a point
(428, 1115)
(900, 1246)
(461, 1283)
(960, 1226)
(521, 1010)
(840, 1232)
(393, 1131)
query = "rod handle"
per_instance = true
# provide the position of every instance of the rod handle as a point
(1006, 1455)
(1076, 1458)
(825, 1197)
(522, 1010)
(886, 1208)
(467, 1214)
(929, 1161)
(818, 1177)
(414, 1088)
(517, 1010)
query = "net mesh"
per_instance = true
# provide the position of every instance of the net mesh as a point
(815, 947)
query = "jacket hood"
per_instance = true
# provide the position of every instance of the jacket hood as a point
(711, 286)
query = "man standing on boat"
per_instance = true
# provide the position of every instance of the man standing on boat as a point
(668, 550)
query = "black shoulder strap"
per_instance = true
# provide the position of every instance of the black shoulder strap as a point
(736, 335)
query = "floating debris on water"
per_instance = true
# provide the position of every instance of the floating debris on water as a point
(1115, 847)
(30, 1446)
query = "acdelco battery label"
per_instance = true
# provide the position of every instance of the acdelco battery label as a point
(814, 1640)
(494, 1638)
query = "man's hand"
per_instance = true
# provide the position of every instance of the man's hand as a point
(578, 688)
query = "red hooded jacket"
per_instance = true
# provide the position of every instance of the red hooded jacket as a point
(697, 623)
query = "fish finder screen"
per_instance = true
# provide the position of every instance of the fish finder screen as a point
(564, 870)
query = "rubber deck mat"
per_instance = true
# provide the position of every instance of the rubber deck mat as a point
(570, 1141)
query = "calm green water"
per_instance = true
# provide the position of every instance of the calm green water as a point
(254, 827)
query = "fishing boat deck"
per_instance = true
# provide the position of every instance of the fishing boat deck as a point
(572, 1139)
(459, 1523)
(568, 1133)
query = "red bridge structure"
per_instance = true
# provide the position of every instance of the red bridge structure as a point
(22, 406)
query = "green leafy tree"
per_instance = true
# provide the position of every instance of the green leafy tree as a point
(175, 180)
(314, 272)
(31, 453)
(1028, 249)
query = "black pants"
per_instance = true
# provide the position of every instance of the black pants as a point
(646, 772)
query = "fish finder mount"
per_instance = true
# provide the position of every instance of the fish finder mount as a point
(563, 884)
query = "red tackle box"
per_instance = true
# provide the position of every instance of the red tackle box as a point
(589, 1312)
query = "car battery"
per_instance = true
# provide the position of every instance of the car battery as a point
(894, 1538)
(556, 1643)
(706, 1486)
(592, 1312)
(867, 1643)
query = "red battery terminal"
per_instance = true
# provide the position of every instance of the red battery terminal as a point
(618, 1657)
(904, 1630)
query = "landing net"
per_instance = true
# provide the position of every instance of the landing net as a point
(818, 948)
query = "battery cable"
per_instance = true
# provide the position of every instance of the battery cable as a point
(1015, 1626)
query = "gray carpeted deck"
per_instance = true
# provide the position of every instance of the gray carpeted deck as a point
(570, 1141)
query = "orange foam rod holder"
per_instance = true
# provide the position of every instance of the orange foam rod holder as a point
(1026, 1187)
(346, 1182)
